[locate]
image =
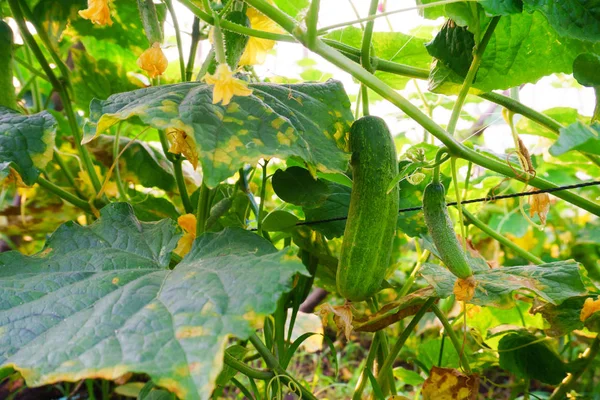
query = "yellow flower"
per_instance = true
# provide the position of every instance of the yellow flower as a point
(187, 222)
(153, 61)
(225, 85)
(257, 48)
(98, 12)
(589, 307)
(464, 289)
(182, 143)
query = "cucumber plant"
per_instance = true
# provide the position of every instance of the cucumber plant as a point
(172, 212)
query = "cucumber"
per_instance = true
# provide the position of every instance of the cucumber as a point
(371, 224)
(441, 230)
(235, 43)
(7, 89)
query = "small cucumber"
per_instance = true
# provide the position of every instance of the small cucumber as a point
(235, 43)
(7, 89)
(371, 224)
(441, 230)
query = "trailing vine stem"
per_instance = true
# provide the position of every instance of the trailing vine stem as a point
(273, 364)
(246, 369)
(456, 148)
(363, 378)
(63, 194)
(182, 69)
(189, 68)
(59, 87)
(202, 209)
(450, 332)
(391, 358)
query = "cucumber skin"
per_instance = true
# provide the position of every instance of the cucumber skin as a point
(7, 89)
(441, 230)
(371, 225)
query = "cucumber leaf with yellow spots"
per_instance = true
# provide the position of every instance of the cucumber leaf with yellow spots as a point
(26, 144)
(553, 282)
(100, 301)
(309, 121)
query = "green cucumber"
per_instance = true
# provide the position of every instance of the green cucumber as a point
(7, 89)
(235, 43)
(441, 230)
(371, 225)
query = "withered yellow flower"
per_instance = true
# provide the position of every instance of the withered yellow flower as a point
(182, 143)
(590, 307)
(153, 61)
(187, 222)
(540, 204)
(257, 48)
(225, 85)
(98, 12)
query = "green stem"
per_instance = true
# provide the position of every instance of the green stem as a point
(43, 35)
(596, 115)
(312, 18)
(242, 388)
(182, 70)
(263, 193)
(230, 26)
(363, 379)
(177, 170)
(273, 364)
(116, 145)
(391, 358)
(502, 239)
(59, 87)
(218, 43)
(63, 194)
(588, 357)
(280, 318)
(27, 65)
(365, 52)
(452, 335)
(364, 94)
(413, 275)
(246, 369)
(464, 90)
(383, 352)
(203, 209)
(189, 69)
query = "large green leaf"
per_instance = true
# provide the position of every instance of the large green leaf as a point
(571, 18)
(525, 356)
(491, 7)
(578, 136)
(390, 46)
(523, 49)
(553, 282)
(309, 121)
(26, 143)
(100, 301)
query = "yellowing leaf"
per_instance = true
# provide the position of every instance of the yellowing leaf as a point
(98, 12)
(225, 85)
(589, 307)
(110, 189)
(187, 222)
(450, 384)
(182, 143)
(153, 61)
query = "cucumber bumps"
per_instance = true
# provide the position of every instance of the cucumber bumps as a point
(442, 232)
(371, 224)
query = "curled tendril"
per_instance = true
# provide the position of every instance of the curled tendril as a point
(290, 384)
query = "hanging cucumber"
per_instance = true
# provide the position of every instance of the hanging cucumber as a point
(235, 43)
(371, 224)
(441, 230)
(7, 90)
